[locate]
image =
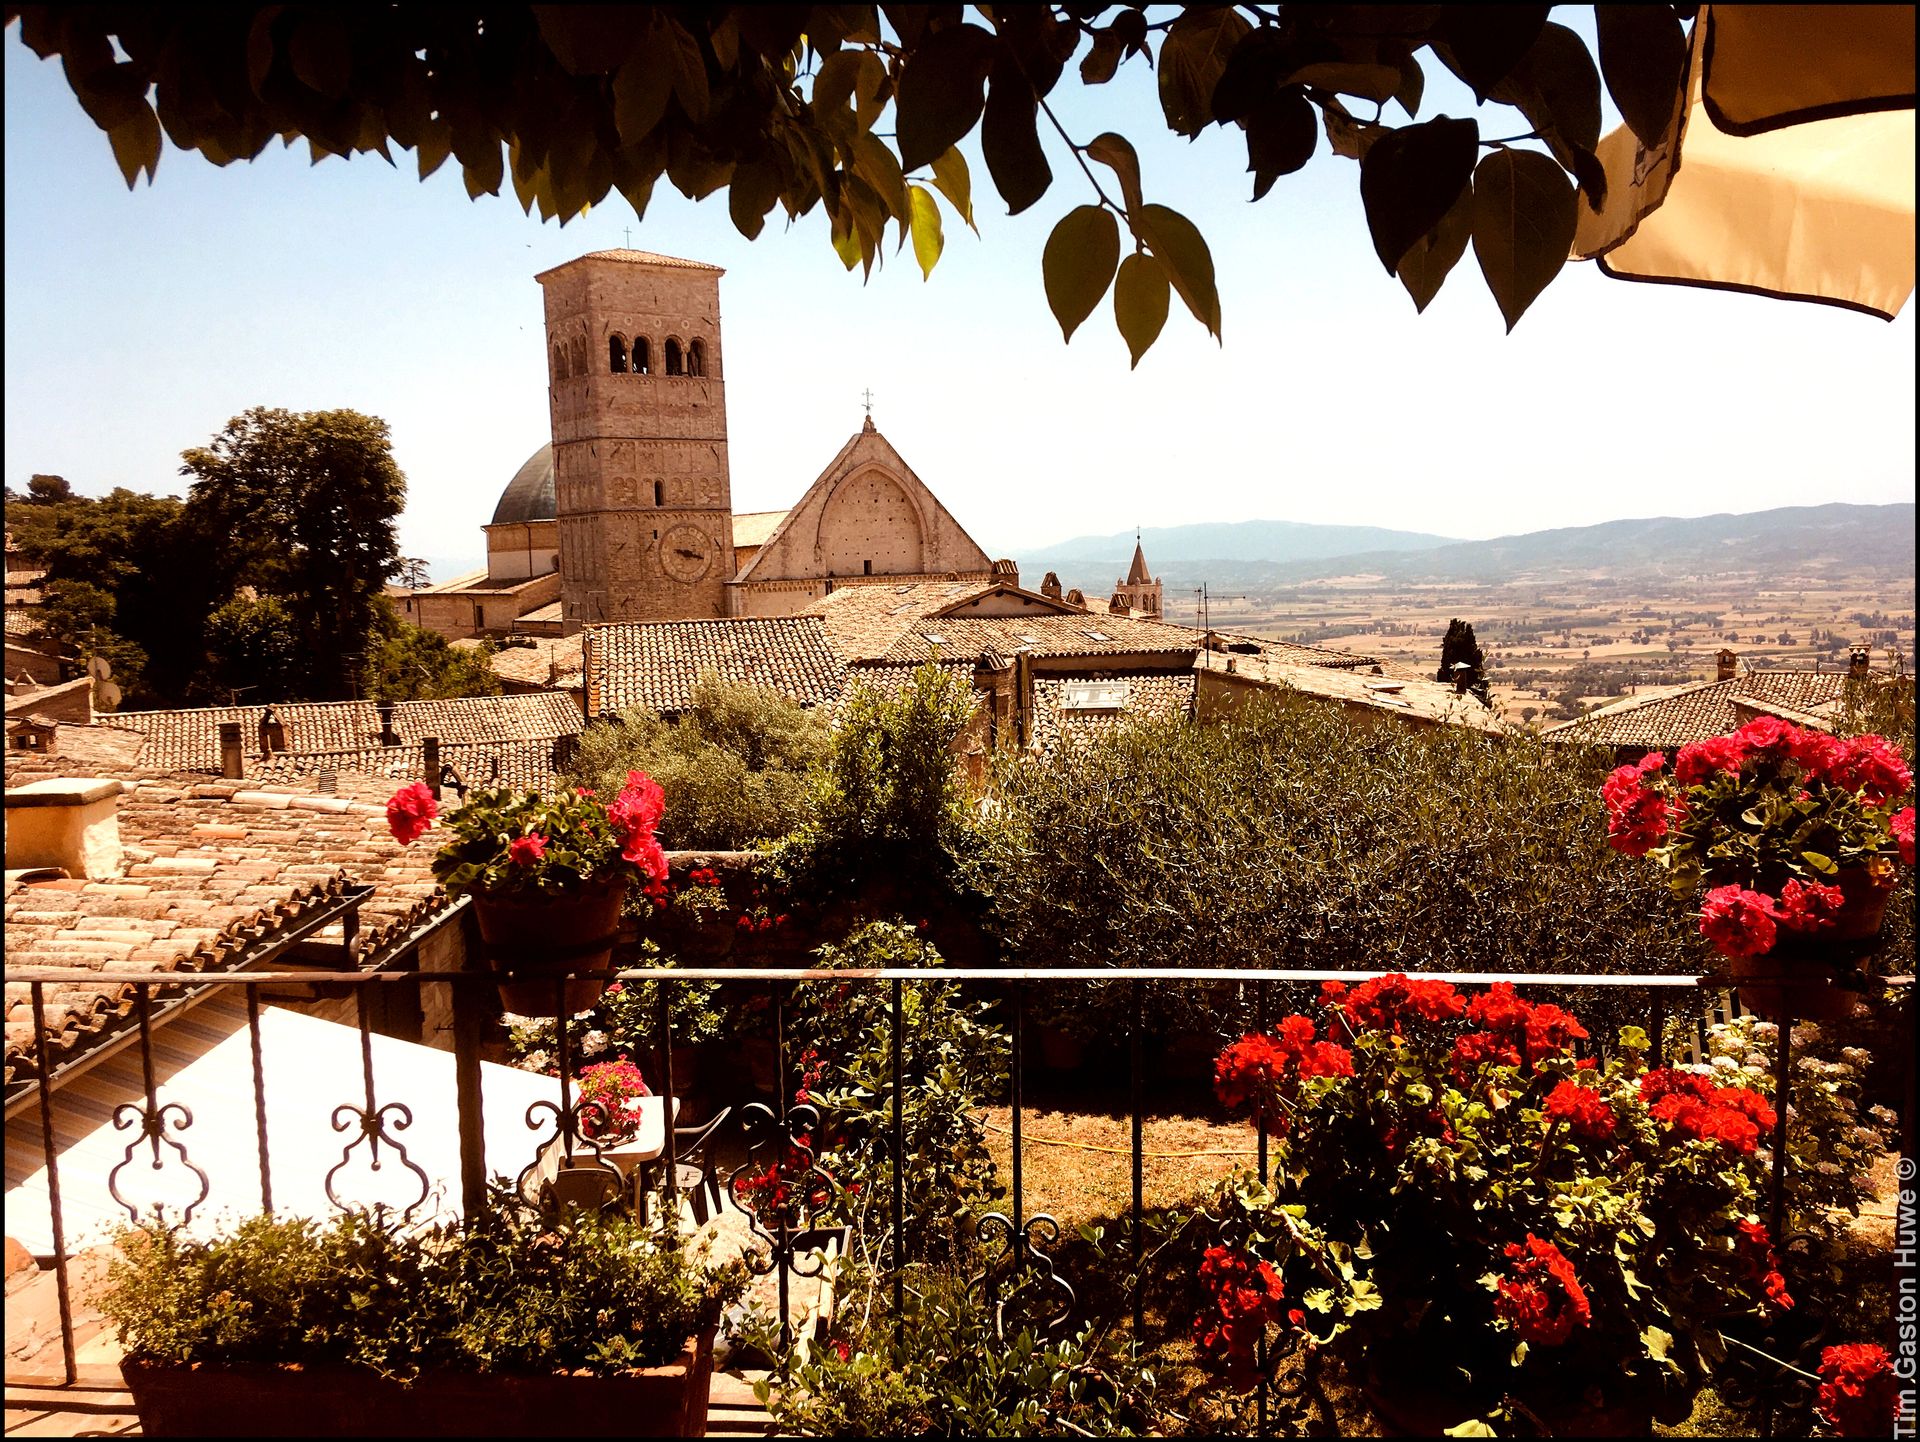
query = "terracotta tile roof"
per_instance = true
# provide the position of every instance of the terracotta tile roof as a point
(549, 661)
(864, 621)
(1702, 709)
(212, 869)
(654, 664)
(1411, 699)
(21, 622)
(1305, 655)
(189, 740)
(519, 765)
(1082, 635)
(751, 528)
(640, 257)
(892, 681)
(1149, 695)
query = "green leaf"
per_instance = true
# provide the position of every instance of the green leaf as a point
(1425, 267)
(953, 180)
(941, 92)
(1140, 295)
(1657, 1343)
(1078, 264)
(687, 66)
(1192, 59)
(1482, 43)
(833, 86)
(320, 52)
(640, 93)
(1556, 87)
(589, 39)
(136, 144)
(1825, 865)
(1410, 178)
(1177, 243)
(260, 48)
(1472, 1428)
(1643, 53)
(754, 190)
(927, 239)
(1116, 153)
(875, 164)
(1524, 213)
(1010, 139)
(1281, 137)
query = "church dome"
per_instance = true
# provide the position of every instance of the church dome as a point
(529, 495)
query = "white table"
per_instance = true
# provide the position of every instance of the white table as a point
(648, 1142)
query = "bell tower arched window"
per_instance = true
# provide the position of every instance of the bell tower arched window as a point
(696, 358)
(642, 356)
(674, 366)
(559, 361)
(616, 355)
(660, 489)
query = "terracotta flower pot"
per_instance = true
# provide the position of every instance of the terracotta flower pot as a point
(540, 936)
(261, 1400)
(1800, 976)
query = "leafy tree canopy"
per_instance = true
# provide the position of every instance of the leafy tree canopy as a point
(793, 106)
(253, 651)
(306, 503)
(406, 663)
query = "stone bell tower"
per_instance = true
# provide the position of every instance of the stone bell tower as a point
(637, 394)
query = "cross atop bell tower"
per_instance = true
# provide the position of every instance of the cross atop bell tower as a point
(637, 398)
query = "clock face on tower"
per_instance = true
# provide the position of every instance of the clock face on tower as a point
(685, 553)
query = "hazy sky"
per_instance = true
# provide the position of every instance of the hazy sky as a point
(138, 323)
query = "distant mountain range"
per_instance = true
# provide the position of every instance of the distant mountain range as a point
(1267, 554)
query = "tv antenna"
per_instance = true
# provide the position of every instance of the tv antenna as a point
(1204, 610)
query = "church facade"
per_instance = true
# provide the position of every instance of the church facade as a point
(627, 514)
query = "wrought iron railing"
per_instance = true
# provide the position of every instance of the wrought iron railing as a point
(1023, 1239)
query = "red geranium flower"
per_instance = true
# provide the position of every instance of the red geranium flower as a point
(525, 850)
(1543, 1300)
(1584, 1110)
(1738, 922)
(1859, 1395)
(410, 811)
(1902, 828)
(1698, 760)
(1808, 906)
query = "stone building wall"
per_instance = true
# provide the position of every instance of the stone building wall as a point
(641, 481)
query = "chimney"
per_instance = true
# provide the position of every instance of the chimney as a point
(1859, 661)
(388, 736)
(232, 759)
(273, 736)
(430, 746)
(71, 823)
(1728, 664)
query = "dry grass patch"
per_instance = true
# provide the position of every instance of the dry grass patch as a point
(1078, 1166)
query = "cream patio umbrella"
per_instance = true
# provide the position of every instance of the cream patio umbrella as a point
(1789, 170)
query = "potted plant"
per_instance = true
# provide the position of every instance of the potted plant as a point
(1482, 1221)
(610, 1093)
(516, 1325)
(1789, 835)
(547, 876)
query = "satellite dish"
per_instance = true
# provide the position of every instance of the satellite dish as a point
(99, 667)
(107, 695)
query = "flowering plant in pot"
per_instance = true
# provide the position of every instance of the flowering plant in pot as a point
(1482, 1219)
(547, 876)
(1789, 835)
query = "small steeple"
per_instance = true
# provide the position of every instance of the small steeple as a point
(1137, 573)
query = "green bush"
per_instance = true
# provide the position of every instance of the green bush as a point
(735, 767)
(953, 1062)
(949, 1374)
(512, 1293)
(1299, 835)
(887, 808)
